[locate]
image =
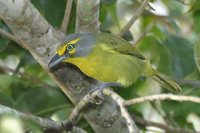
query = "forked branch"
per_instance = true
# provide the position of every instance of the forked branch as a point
(134, 18)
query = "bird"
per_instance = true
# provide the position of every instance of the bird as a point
(109, 59)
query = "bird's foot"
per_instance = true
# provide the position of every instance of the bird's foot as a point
(100, 96)
(96, 99)
(68, 126)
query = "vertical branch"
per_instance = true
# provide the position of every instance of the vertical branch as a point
(87, 17)
(66, 18)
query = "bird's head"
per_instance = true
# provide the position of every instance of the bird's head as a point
(74, 45)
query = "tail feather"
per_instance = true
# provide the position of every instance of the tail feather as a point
(166, 82)
(161, 78)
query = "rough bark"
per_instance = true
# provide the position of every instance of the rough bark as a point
(41, 40)
(87, 19)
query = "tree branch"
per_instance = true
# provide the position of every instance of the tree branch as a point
(162, 97)
(169, 129)
(87, 16)
(134, 18)
(46, 124)
(66, 18)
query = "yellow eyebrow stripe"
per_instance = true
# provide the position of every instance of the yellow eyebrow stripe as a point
(74, 41)
(61, 50)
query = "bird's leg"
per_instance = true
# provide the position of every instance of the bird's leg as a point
(100, 93)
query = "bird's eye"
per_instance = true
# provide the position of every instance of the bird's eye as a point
(70, 47)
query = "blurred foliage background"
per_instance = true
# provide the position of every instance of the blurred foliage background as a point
(167, 34)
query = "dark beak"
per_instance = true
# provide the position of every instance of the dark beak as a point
(56, 60)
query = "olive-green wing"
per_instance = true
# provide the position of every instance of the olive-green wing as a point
(116, 44)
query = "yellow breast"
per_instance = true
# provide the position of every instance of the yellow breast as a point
(85, 65)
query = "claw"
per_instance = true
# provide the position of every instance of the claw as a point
(100, 96)
(97, 100)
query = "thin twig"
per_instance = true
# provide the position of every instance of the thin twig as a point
(43, 122)
(168, 119)
(86, 101)
(134, 18)
(183, 2)
(7, 35)
(162, 97)
(5, 69)
(66, 18)
(167, 128)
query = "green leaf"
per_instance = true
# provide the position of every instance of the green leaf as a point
(149, 48)
(196, 18)
(41, 100)
(179, 111)
(108, 2)
(5, 82)
(158, 32)
(6, 100)
(165, 61)
(3, 44)
(182, 55)
(52, 11)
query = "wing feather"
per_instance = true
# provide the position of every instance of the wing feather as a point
(116, 44)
